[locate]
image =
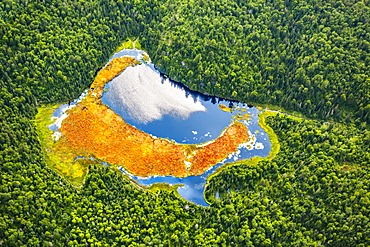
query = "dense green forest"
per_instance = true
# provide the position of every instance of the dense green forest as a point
(310, 57)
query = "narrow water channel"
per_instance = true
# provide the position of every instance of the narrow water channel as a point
(167, 109)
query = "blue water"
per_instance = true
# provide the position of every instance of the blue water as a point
(199, 127)
(194, 185)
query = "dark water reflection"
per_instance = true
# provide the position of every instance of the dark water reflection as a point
(199, 127)
(204, 122)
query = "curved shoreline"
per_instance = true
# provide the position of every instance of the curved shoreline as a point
(275, 148)
(146, 158)
(141, 154)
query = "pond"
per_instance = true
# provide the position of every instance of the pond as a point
(163, 108)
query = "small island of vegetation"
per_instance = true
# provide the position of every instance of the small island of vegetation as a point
(93, 131)
(306, 58)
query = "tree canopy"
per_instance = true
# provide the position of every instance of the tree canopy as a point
(311, 57)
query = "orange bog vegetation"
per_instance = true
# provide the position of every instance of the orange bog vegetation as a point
(215, 152)
(93, 130)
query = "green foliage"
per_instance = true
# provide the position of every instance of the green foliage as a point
(129, 44)
(305, 56)
(314, 192)
(254, 161)
(75, 172)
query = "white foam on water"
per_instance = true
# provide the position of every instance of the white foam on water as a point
(250, 145)
(259, 145)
